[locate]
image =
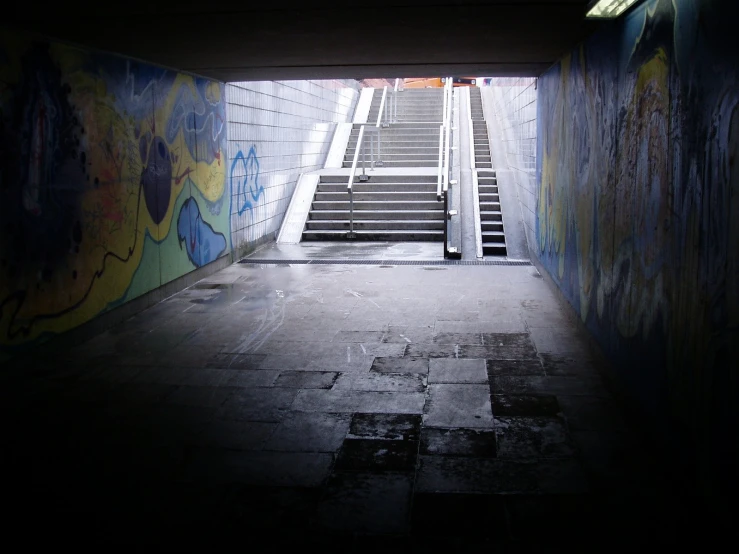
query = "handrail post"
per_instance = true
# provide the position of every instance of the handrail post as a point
(379, 124)
(372, 152)
(350, 183)
(379, 145)
(441, 162)
(364, 160)
(443, 111)
(351, 212)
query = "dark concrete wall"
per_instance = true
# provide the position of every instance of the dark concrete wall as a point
(113, 182)
(638, 215)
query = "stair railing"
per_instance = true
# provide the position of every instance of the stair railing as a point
(441, 163)
(394, 110)
(379, 124)
(443, 182)
(363, 177)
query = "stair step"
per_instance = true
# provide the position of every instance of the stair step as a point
(491, 215)
(491, 225)
(401, 163)
(374, 224)
(494, 249)
(485, 197)
(428, 204)
(397, 158)
(378, 235)
(394, 147)
(365, 196)
(493, 236)
(378, 214)
(367, 186)
(383, 179)
(405, 125)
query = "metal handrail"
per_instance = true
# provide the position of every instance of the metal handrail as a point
(352, 172)
(382, 107)
(443, 113)
(378, 129)
(473, 163)
(441, 162)
(448, 126)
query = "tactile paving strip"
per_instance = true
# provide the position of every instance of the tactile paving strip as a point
(350, 261)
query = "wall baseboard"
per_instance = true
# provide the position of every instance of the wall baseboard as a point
(95, 326)
(678, 464)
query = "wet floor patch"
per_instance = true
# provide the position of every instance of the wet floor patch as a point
(401, 365)
(524, 405)
(473, 443)
(307, 379)
(386, 426)
(377, 455)
(212, 286)
(514, 367)
(458, 338)
(532, 437)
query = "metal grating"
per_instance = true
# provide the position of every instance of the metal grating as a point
(382, 262)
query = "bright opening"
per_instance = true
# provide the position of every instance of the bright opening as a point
(609, 9)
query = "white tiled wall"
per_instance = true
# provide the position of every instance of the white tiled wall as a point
(515, 105)
(289, 124)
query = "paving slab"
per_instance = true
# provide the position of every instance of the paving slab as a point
(385, 426)
(458, 406)
(306, 379)
(341, 401)
(377, 455)
(470, 443)
(386, 382)
(533, 437)
(524, 405)
(405, 365)
(309, 432)
(454, 370)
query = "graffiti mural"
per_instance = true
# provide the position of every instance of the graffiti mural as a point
(103, 158)
(245, 179)
(638, 211)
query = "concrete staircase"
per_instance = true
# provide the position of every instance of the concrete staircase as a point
(386, 208)
(479, 131)
(392, 205)
(413, 141)
(491, 216)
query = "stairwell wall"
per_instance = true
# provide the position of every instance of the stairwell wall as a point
(278, 130)
(515, 108)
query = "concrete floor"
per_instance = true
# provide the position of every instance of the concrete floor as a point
(355, 408)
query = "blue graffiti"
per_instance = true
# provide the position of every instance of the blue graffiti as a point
(244, 179)
(202, 243)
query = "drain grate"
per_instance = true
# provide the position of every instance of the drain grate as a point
(382, 262)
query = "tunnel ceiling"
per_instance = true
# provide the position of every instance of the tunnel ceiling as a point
(232, 41)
